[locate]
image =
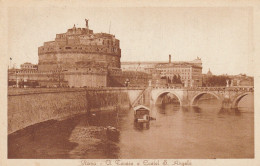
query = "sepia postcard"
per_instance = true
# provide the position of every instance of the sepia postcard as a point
(137, 83)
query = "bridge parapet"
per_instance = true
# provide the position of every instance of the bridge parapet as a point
(166, 87)
(247, 88)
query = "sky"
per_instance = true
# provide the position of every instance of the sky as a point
(221, 36)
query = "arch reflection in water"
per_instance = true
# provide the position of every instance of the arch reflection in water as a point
(167, 109)
(234, 111)
(206, 100)
(167, 98)
(196, 109)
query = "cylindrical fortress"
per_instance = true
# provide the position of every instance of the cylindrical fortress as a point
(79, 48)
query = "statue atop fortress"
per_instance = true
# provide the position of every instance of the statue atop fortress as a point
(86, 22)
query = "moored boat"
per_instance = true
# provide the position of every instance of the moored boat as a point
(141, 114)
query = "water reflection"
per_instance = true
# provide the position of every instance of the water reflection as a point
(234, 111)
(167, 109)
(196, 109)
(141, 126)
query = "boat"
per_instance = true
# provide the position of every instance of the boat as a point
(141, 114)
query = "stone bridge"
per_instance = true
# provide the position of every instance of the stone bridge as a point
(228, 96)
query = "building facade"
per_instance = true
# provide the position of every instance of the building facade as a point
(128, 78)
(190, 72)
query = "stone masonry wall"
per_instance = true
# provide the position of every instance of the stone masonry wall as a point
(25, 109)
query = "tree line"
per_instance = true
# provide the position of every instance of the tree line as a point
(215, 81)
(176, 79)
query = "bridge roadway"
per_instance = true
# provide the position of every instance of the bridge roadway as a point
(228, 96)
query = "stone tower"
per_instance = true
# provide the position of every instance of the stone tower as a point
(80, 48)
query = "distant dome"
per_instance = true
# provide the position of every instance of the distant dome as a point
(209, 73)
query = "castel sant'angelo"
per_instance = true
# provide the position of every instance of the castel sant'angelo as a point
(78, 58)
(80, 48)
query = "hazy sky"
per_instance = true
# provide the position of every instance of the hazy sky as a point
(221, 37)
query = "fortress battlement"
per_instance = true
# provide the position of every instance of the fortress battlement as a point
(79, 45)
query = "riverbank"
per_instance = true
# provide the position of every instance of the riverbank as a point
(55, 139)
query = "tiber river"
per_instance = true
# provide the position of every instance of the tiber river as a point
(206, 132)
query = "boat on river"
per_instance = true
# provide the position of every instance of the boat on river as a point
(141, 114)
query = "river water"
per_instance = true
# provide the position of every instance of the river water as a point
(203, 132)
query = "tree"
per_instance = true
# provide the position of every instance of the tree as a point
(217, 80)
(175, 79)
(179, 79)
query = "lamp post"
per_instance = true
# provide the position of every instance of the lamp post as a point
(17, 81)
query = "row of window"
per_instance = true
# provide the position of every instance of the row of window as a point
(174, 69)
(113, 49)
(170, 73)
(27, 67)
(182, 77)
(26, 72)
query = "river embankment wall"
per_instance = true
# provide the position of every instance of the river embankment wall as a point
(28, 107)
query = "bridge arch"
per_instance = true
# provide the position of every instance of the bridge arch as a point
(165, 93)
(238, 98)
(195, 99)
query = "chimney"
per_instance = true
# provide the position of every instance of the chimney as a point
(170, 58)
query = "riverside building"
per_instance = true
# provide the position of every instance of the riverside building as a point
(190, 72)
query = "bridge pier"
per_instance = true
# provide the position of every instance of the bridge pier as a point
(226, 104)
